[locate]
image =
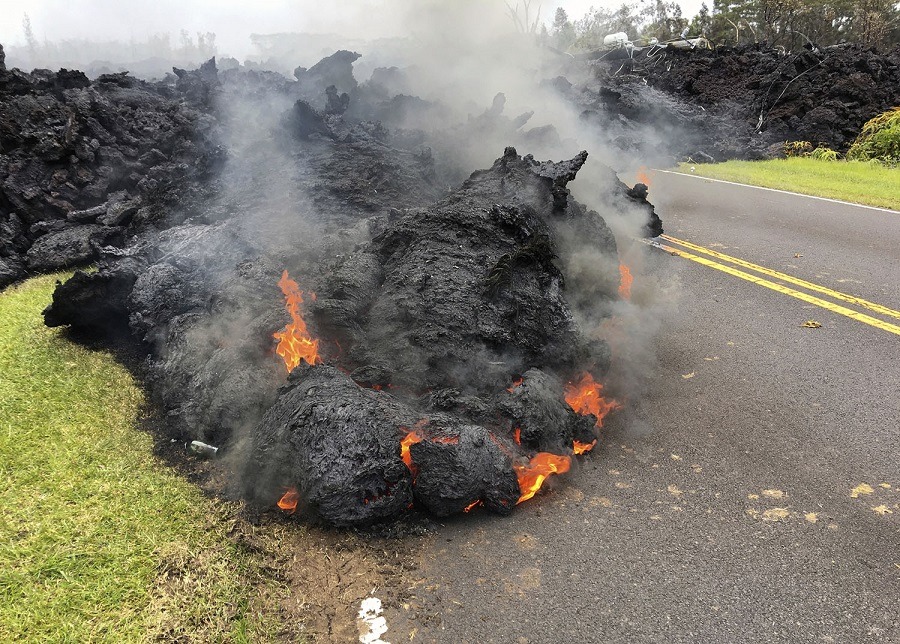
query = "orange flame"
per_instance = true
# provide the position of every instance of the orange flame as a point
(516, 383)
(582, 448)
(532, 476)
(643, 175)
(625, 282)
(294, 342)
(586, 397)
(412, 437)
(288, 502)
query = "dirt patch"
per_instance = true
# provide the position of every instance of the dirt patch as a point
(328, 574)
(309, 582)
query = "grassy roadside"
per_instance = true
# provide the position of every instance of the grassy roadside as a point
(857, 182)
(99, 541)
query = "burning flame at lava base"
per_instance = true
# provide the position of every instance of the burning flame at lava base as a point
(415, 436)
(294, 342)
(289, 501)
(410, 439)
(583, 448)
(643, 175)
(625, 282)
(472, 506)
(532, 476)
(586, 397)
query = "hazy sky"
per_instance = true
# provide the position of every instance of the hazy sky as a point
(231, 20)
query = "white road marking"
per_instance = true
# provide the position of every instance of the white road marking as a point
(787, 192)
(373, 624)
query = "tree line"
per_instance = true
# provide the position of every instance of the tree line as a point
(77, 52)
(790, 24)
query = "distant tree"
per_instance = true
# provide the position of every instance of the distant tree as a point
(206, 45)
(525, 21)
(729, 21)
(562, 33)
(875, 22)
(701, 25)
(597, 23)
(30, 41)
(795, 23)
(545, 36)
(662, 20)
(789, 24)
(159, 46)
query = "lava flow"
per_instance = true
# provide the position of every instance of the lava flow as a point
(586, 397)
(411, 438)
(625, 282)
(294, 342)
(582, 448)
(532, 476)
(288, 502)
(473, 505)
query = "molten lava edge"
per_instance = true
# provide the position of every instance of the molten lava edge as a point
(583, 448)
(532, 476)
(586, 397)
(625, 283)
(327, 421)
(288, 501)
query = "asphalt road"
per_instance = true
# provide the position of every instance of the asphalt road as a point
(720, 505)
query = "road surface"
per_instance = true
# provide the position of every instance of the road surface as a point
(752, 492)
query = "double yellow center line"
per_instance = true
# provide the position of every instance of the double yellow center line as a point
(786, 290)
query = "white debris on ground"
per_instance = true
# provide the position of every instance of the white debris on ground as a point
(372, 625)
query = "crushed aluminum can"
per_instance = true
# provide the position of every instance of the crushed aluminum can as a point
(202, 449)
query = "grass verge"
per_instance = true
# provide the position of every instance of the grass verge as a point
(99, 541)
(857, 182)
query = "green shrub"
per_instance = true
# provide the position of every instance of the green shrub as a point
(879, 139)
(797, 148)
(823, 153)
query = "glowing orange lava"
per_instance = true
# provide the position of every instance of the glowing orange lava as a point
(517, 435)
(294, 342)
(586, 397)
(582, 448)
(625, 282)
(288, 502)
(472, 505)
(643, 175)
(412, 437)
(532, 476)
(515, 384)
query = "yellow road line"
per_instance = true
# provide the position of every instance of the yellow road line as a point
(834, 308)
(852, 299)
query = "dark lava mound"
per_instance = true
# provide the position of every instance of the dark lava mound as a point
(449, 321)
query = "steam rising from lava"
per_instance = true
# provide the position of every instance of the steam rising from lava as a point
(440, 300)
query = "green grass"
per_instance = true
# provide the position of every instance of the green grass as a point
(100, 541)
(857, 182)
